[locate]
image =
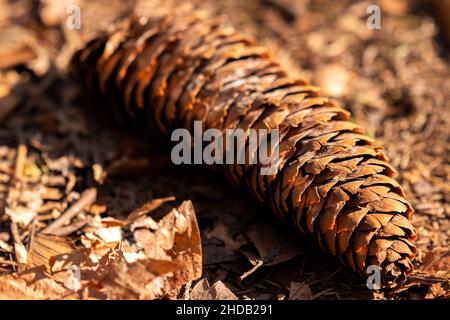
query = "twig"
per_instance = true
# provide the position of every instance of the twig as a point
(323, 292)
(15, 233)
(87, 198)
(32, 233)
(429, 278)
(97, 160)
(20, 161)
(8, 262)
(249, 272)
(65, 231)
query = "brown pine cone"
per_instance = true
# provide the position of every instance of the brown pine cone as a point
(331, 182)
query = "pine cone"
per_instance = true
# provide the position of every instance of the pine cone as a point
(332, 182)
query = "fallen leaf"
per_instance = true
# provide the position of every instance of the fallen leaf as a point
(218, 291)
(146, 279)
(220, 232)
(437, 259)
(44, 247)
(274, 246)
(147, 207)
(300, 291)
(31, 285)
(110, 234)
(173, 258)
(438, 290)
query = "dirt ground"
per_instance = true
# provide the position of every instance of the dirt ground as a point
(53, 147)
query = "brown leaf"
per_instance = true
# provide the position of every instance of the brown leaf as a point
(218, 291)
(274, 246)
(300, 291)
(148, 207)
(221, 232)
(436, 260)
(146, 279)
(31, 284)
(43, 247)
(173, 258)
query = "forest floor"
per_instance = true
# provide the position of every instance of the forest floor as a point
(55, 153)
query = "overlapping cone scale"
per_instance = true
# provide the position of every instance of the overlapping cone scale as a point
(162, 73)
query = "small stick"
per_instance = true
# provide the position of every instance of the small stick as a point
(65, 231)
(8, 262)
(15, 233)
(20, 161)
(249, 272)
(87, 198)
(32, 233)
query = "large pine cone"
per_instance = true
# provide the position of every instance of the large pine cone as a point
(332, 182)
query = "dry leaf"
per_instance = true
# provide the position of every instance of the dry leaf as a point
(21, 215)
(274, 246)
(300, 291)
(110, 234)
(147, 208)
(173, 257)
(21, 253)
(220, 231)
(218, 291)
(31, 284)
(436, 260)
(44, 247)
(146, 279)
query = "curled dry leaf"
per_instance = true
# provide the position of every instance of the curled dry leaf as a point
(218, 291)
(147, 207)
(173, 257)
